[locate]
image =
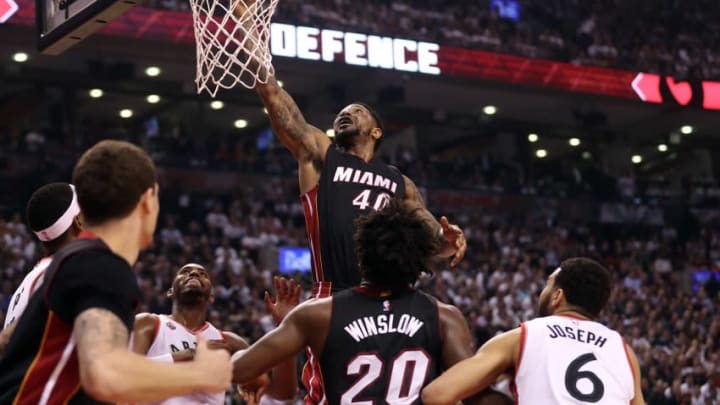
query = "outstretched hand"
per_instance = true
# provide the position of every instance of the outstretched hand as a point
(287, 297)
(456, 239)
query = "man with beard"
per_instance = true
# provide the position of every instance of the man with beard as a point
(340, 181)
(173, 338)
(562, 357)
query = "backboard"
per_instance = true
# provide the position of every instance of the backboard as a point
(63, 23)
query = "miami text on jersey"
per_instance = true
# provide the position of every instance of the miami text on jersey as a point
(350, 175)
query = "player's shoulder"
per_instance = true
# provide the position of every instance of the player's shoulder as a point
(146, 319)
(449, 313)
(312, 309)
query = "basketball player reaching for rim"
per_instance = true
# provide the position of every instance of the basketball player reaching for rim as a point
(339, 181)
(53, 216)
(563, 357)
(172, 338)
(382, 339)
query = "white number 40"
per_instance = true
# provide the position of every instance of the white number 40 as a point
(363, 199)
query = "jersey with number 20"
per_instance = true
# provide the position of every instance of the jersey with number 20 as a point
(380, 348)
(348, 187)
(566, 360)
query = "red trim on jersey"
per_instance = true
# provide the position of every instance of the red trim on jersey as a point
(39, 275)
(577, 318)
(87, 235)
(632, 369)
(521, 349)
(55, 338)
(372, 291)
(195, 331)
(312, 225)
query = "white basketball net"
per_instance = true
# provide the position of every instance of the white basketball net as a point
(232, 43)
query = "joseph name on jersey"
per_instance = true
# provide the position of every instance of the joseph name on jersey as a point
(566, 360)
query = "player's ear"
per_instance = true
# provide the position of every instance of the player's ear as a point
(557, 298)
(376, 133)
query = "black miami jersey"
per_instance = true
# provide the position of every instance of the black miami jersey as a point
(382, 349)
(348, 187)
(40, 364)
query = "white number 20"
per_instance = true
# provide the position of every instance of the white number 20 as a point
(407, 374)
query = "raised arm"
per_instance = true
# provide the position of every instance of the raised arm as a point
(283, 384)
(109, 372)
(451, 237)
(306, 142)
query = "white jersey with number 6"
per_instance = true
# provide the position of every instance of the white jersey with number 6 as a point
(565, 360)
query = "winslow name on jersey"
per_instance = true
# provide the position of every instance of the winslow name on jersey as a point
(380, 348)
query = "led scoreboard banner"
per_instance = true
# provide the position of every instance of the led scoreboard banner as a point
(382, 52)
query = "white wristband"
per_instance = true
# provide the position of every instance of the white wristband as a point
(163, 358)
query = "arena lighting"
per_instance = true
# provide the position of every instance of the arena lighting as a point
(217, 105)
(20, 57)
(265, 111)
(686, 129)
(574, 142)
(240, 124)
(489, 110)
(662, 147)
(280, 83)
(541, 153)
(586, 155)
(152, 71)
(95, 93)
(330, 132)
(153, 99)
(533, 138)
(637, 159)
(126, 113)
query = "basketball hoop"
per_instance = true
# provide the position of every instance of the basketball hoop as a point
(232, 39)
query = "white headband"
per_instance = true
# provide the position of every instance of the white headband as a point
(63, 223)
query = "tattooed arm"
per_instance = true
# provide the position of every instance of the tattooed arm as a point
(452, 238)
(109, 372)
(306, 142)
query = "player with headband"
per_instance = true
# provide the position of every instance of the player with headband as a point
(53, 215)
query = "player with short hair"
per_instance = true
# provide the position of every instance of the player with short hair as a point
(70, 345)
(173, 338)
(562, 357)
(383, 339)
(341, 179)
